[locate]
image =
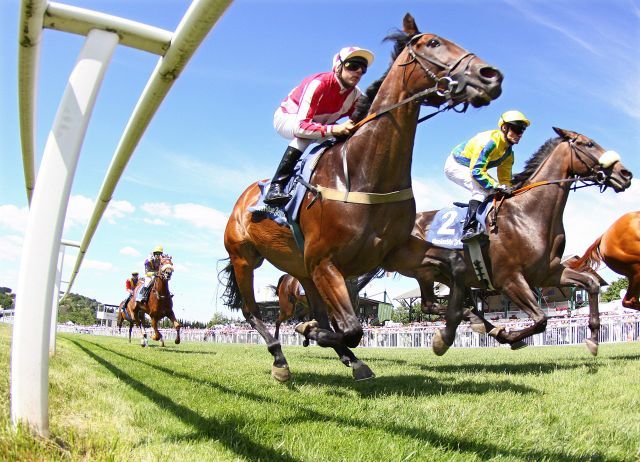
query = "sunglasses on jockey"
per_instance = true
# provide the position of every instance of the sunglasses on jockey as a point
(517, 128)
(356, 63)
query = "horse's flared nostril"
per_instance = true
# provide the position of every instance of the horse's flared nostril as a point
(626, 174)
(490, 74)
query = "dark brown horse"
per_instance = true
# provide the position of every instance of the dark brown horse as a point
(344, 239)
(160, 301)
(619, 249)
(526, 244)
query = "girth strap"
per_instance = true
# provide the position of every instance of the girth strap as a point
(356, 197)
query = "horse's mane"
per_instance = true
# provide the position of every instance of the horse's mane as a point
(534, 162)
(364, 102)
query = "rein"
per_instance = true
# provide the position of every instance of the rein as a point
(442, 86)
(597, 178)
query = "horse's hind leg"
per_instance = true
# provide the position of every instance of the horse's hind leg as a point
(631, 298)
(244, 279)
(444, 338)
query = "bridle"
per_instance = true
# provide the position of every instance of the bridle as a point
(445, 86)
(599, 173)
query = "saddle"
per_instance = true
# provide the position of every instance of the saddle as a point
(446, 228)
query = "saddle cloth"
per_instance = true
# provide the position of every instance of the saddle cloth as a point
(288, 215)
(446, 228)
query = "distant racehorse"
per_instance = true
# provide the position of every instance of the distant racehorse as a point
(124, 315)
(526, 243)
(365, 204)
(160, 301)
(619, 249)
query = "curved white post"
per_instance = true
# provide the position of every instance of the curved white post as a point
(29, 355)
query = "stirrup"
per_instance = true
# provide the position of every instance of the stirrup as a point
(277, 199)
(469, 235)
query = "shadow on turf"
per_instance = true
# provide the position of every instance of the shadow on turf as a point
(227, 431)
(224, 431)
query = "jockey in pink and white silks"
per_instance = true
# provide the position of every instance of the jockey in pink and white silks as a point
(308, 114)
(468, 163)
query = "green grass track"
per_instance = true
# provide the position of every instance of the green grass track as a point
(114, 401)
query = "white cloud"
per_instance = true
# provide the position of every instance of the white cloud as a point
(10, 247)
(118, 209)
(130, 251)
(13, 217)
(155, 221)
(78, 211)
(97, 265)
(198, 215)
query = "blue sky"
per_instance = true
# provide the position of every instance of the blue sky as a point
(567, 63)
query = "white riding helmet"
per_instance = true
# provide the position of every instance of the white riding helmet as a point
(352, 52)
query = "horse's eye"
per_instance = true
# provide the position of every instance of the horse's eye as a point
(433, 43)
(589, 144)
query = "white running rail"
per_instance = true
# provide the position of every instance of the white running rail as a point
(49, 196)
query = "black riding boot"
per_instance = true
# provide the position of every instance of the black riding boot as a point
(470, 228)
(276, 196)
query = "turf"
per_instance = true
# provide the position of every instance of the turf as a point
(111, 400)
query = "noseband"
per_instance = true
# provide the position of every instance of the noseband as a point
(600, 174)
(446, 86)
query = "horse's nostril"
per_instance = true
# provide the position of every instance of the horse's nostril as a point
(490, 73)
(627, 174)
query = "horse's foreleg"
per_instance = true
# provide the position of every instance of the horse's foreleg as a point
(157, 336)
(244, 279)
(520, 293)
(631, 298)
(176, 324)
(331, 286)
(584, 280)
(359, 368)
(443, 338)
(130, 330)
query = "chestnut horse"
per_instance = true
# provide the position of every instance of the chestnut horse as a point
(619, 249)
(348, 238)
(291, 300)
(525, 245)
(160, 301)
(124, 315)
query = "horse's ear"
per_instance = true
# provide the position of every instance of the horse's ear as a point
(409, 25)
(565, 134)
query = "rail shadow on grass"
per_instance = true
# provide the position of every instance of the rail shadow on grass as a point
(224, 431)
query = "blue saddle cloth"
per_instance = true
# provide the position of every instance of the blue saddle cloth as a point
(446, 227)
(289, 214)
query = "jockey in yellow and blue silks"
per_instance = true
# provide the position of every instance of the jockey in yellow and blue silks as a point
(468, 163)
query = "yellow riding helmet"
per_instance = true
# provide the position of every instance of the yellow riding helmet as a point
(158, 248)
(513, 117)
(134, 273)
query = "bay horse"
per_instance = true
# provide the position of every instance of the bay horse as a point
(619, 249)
(348, 238)
(526, 244)
(160, 300)
(125, 315)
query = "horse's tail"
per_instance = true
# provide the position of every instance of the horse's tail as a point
(276, 288)
(231, 295)
(591, 258)
(368, 277)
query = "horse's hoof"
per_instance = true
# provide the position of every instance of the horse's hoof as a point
(305, 343)
(177, 341)
(592, 346)
(518, 345)
(496, 331)
(281, 374)
(303, 328)
(438, 344)
(361, 371)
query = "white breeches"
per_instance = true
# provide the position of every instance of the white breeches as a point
(461, 175)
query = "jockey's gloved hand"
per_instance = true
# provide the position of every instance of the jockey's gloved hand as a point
(503, 189)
